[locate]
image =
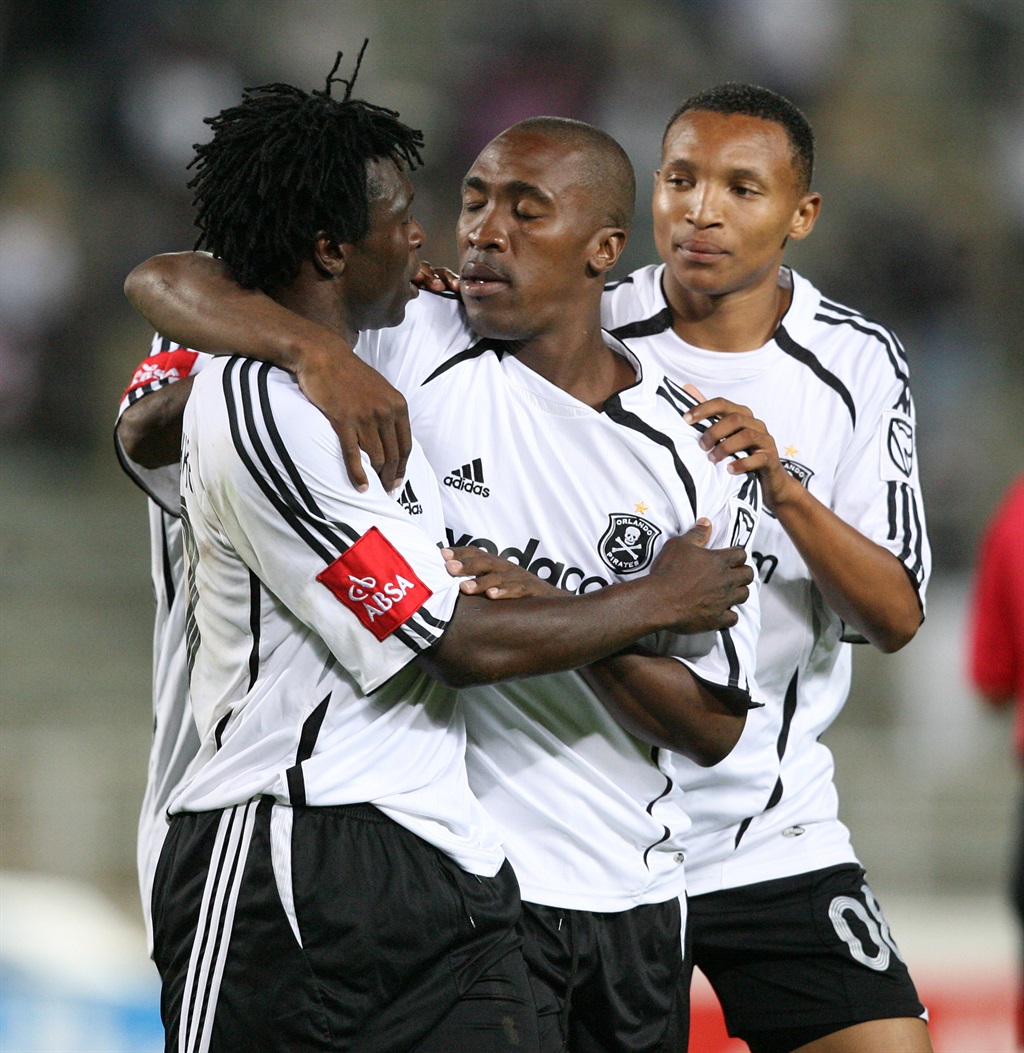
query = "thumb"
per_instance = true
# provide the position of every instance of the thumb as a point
(699, 533)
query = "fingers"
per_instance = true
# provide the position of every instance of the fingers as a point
(350, 452)
(699, 533)
(436, 279)
(403, 436)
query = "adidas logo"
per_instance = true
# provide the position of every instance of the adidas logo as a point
(410, 502)
(470, 478)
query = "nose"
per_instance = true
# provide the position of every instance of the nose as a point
(417, 235)
(484, 231)
(703, 207)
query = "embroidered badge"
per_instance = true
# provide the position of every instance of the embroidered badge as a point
(377, 584)
(800, 472)
(168, 365)
(897, 448)
(628, 544)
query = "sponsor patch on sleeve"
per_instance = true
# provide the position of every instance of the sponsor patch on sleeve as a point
(377, 584)
(897, 453)
(166, 366)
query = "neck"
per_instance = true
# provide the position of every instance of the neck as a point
(317, 302)
(584, 367)
(743, 320)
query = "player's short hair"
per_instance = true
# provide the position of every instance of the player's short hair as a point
(607, 171)
(284, 165)
(749, 100)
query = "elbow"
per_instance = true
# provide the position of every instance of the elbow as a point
(461, 670)
(138, 282)
(134, 446)
(899, 632)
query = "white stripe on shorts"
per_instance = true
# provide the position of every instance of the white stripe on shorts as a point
(213, 931)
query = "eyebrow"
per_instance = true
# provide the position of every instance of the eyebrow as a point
(734, 173)
(517, 188)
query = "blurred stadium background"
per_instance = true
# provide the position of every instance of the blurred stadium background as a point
(919, 111)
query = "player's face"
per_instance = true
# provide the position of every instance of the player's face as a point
(525, 234)
(726, 198)
(378, 269)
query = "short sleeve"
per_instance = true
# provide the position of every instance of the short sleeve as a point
(877, 489)
(166, 363)
(262, 475)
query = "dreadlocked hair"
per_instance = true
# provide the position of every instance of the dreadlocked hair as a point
(285, 165)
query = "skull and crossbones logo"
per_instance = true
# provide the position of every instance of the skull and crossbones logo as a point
(628, 544)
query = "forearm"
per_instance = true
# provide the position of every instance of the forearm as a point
(191, 298)
(150, 430)
(487, 642)
(865, 584)
(659, 700)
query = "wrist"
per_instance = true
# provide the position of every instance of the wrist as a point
(787, 494)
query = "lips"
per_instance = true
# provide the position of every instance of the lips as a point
(481, 279)
(701, 251)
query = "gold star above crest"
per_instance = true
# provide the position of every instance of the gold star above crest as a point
(791, 451)
(640, 508)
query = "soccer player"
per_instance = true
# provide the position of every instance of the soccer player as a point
(554, 445)
(782, 920)
(328, 879)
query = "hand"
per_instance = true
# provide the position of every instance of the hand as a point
(702, 585)
(436, 279)
(492, 576)
(734, 429)
(365, 411)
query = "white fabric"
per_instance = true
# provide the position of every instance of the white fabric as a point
(175, 740)
(267, 507)
(832, 388)
(589, 818)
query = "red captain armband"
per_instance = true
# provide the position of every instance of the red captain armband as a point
(167, 365)
(374, 580)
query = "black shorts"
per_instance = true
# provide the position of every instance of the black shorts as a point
(797, 958)
(608, 983)
(313, 929)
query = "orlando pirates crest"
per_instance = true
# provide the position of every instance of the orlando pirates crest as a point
(800, 472)
(628, 544)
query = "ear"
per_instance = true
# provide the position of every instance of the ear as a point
(605, 250)
(329, 256)
(805, 216)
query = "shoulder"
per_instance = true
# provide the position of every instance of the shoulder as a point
(434, 325)
(633, 298)
(842, 336)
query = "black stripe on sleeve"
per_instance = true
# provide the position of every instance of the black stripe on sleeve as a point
(883, 334)
(294, 502)
(284, 508)
(807, 358)
(615, 411)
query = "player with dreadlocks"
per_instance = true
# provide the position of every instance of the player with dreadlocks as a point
(328, 881)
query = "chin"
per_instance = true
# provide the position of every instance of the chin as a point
(487, 323)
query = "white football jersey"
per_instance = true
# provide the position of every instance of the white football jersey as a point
(832, 388)
(175, 740)
(308, 602)
(591, 817)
